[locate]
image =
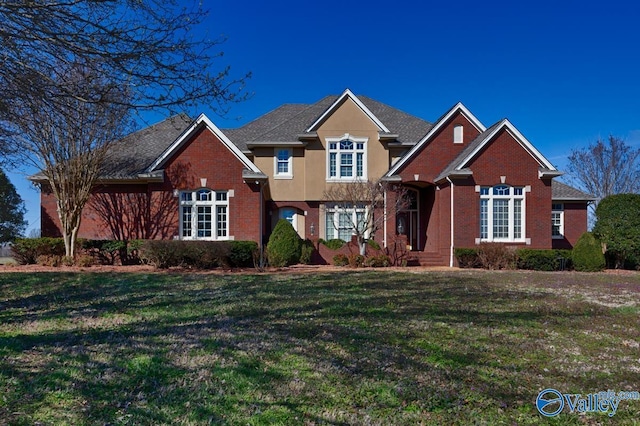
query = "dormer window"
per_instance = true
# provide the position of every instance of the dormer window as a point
(346, 158)
(458, 134)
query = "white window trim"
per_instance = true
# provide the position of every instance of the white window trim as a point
(329, 209)
(354, 177)
(491, 197)
(561, 228)
(214, 204)
(289, 174)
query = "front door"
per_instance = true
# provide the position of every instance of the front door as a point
(408, 222)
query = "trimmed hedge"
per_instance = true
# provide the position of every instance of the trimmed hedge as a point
(198, 254)
(533, 259)
(26, 251)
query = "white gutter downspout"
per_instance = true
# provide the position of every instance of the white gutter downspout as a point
(452, 222)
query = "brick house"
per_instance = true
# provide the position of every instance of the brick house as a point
(467, 183)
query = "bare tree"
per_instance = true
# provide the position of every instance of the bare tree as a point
(361, 205)
(71, 71)
(147, 47)
(68, 140)
(606, 168)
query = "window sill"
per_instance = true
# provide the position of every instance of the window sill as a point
(283, 177)
(347, 180)
(557, 237)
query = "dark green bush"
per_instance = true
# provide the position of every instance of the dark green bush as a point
(306, 252)
(587, 254)
(538, 260)
(27, 250)
(618, 228)
(340, 260)
(467, 257)
(198, 254)
(284, 246)
(242, 253)
(333, 244)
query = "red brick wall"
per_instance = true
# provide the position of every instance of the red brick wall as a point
(439, 152)
(204, 156)
(575, 224)
(504, 156)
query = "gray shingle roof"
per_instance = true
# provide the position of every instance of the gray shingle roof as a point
(286, 122)
(561, 191)
(132, 154)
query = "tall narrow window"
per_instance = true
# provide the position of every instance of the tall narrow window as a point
(283, 163)
(346, 158)
(502, 213)
(557, 220)
(197, 219)
(458, 134)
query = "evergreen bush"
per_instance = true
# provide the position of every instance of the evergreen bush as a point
(242, 253)
(306, 252)
(284, 246)
(333, 244)
(538, 260)
(618, 228)
(587, 254)
(467, 257)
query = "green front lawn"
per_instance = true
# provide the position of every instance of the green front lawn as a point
(363, 347)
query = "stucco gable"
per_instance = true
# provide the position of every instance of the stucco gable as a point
(347, 94)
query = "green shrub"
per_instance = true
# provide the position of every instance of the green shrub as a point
(85, 260)
(467, 257)
(198, 254)
(618, 228)
(306, 252)
(340, 260)
(27, 250)
(496, 256)
(587, 254)
(49, 260)
(333, 244)
(284, 246)
(379, 261)
(242, 253)
(538, 260)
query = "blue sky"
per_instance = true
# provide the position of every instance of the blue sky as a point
(563, 72)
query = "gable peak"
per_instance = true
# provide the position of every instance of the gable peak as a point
(347, 94)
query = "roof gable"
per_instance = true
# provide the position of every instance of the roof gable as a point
(466, 157)
(459, 164)
(202, 120)
(440, 123)
(347, 94)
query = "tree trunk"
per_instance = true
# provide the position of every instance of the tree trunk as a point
(362, 244)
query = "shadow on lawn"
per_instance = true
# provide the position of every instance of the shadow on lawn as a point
(415, 339)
